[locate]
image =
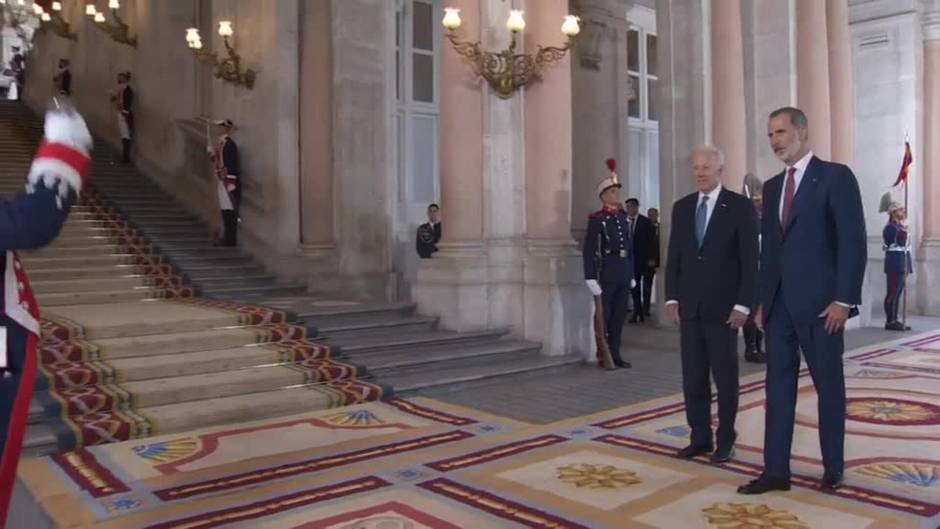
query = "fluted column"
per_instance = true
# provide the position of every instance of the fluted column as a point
(548, 130)
(461, 138)
(929, 256)
(841, 92)
(812, 55)
(729, 120)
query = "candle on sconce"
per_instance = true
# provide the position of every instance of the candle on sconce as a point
(99, 18)
(37, 9)
(225, 28)
(451, 18)
(45, 17)
(515, 22)
(114, 4)
(57, 6)
(571, 27)
(90, 10)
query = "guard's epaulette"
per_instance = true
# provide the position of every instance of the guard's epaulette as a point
(597, 214)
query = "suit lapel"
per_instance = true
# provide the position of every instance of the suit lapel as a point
(807, 188)
(773, 193)
(721, 207)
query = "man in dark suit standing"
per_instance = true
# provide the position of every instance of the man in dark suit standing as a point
(429, 233)
(813, 258)
(641, 231)
(711, 272)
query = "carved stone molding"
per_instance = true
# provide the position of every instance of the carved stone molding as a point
(599, 19)
(930, 19)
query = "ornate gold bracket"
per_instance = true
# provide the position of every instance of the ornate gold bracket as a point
(118, 30)
(228, 68)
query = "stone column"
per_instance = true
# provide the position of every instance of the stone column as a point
(812, 51)
(929, 254)
(729, 122)
(841, 92)
(451, 284)
(316, 137)
(556, 301)
(599, 103)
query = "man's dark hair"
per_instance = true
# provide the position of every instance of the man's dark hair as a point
(635, 201)
(797, 117)
(653, 209)
(433, 206)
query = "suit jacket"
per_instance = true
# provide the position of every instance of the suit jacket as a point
(822, 256)
(655, 252)
(427, 238)
(709, 281)
(642, 243)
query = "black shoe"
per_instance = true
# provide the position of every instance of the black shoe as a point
(832, 482)
(756, 357)
(764, 483)
(894, 326)
(722, 455)
(648, 314)
(623, 364)
(692, 451)
(637, 318)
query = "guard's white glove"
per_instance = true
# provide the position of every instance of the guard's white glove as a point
(230, 187)
(593, 286)
(209, 149)
(68, 127)
(633, 283)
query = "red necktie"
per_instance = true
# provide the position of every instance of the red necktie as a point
(788, 193)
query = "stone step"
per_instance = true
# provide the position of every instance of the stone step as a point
(430, 360)
(39, 440)
(192, 363)
(326, 313)
(111, 284)
(188, 388)
(177, 342)
(376, 344)
(93, 297)
(222, 272)
(104, 272)
(391, 323)
(460, 376)
(247, 294)
(55, 263)
(186, 262)
(138, 319)
(75, 250)
(221, 280)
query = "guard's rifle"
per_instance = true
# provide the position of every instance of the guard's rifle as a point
(600, 333)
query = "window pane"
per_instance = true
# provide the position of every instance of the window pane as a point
(398, 29)
(633, 95)
(398, 74)
(424, 149)
(423, 71)
(652, 96)
(651, 55)
(633, 50)
(423, 26)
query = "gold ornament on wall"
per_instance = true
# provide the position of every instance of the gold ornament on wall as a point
(116, 28)
(507, 71)
(228, 68)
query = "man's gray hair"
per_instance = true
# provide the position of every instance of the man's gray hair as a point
(797, 116)
(714, 151)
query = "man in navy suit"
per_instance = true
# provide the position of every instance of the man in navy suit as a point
(811, 271)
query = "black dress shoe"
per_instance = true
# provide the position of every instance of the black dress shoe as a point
(764, 483)
(755, 357)
(832, 482)
(722, 455)
(692, 451)
(622, 364)
(894, 326)
(636, 318)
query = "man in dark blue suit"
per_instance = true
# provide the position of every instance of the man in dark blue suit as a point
(811, 271)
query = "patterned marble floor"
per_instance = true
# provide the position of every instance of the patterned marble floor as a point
(422, 463)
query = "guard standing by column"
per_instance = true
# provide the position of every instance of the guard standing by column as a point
(898, 264)
(228, 174)
(608, 261)
(123, 100)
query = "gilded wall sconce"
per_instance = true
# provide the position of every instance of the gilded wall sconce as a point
(116, 28)
(229, 67)
(54, 21)
(507, 71)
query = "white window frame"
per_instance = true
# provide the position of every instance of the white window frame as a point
(643, 184)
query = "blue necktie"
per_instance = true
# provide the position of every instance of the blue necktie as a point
(701, 220)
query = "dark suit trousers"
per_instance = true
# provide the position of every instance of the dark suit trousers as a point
(709, 348)
(823, 353)
(614, 296)
(648, 288)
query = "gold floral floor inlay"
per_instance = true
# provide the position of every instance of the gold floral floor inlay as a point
(586, 475)
(750, 516)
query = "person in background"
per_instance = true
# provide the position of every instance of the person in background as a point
(429, 233)
(123, 100)
(227, 169)
(898, 264)
(641, 235)
(754, 336)
(63, 79)
(654, 260)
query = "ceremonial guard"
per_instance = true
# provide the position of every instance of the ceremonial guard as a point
(429, 233)
(18, 67)
(227, 172)
(123, 100)
(898, 264)
(63, 79)
(30, 220)
(608, 263)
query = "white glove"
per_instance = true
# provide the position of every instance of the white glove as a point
(230, 187)
(209, 149)
(593, 286)
(633, 283)
(68, 127)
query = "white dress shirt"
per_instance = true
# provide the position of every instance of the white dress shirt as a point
(709, 209)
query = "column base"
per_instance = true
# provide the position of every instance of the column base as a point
(533, 288)
(927, 272)
(325, 278)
